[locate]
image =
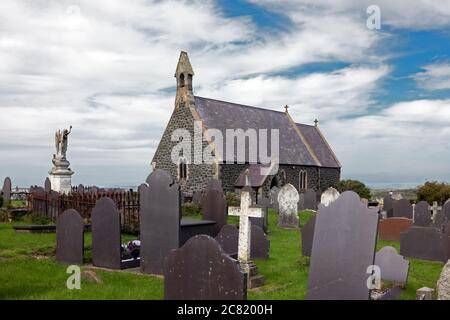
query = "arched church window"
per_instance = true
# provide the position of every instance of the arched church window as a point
(303, 180)
(182, 169)
(182, 80)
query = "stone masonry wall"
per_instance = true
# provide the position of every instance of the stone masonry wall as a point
(198, 175)
(286, 174)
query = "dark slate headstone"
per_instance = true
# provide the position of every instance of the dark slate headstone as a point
(273, 197)
(70, 238)
(390, 229)
(425, 243)
(6, 191)
(47, 185)
(388, 206)
(422, 215)
(106, 237)
(201, 270)
(197, 197)
(214, 206)
(442, 217)
(307, 233)
(80, 189)
(259, 244)
(343, 247)
(393, 267)
(402, 208)
(160, 214)
(308, 200)
(228, 238)
(264, 221)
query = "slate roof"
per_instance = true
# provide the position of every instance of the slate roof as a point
(223, 115)
(319, 145)
(254, 176)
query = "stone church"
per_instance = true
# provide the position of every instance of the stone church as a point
(305, 158)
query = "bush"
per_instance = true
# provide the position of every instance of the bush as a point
(4, 217)
(433, 191)
(190, 209)
(40, 220)
(232, 199)
(131, 228)
(354, 185)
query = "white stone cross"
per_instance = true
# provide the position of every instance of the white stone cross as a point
(245, 212)
(435, 208)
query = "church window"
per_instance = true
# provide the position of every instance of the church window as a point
(303, 180)
(182, 169)
(182, 80)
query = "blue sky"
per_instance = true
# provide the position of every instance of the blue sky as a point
(106, 67)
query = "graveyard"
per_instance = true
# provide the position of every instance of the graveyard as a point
(214, 152)
(30, 270)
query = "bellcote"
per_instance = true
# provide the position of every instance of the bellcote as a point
(184, 75)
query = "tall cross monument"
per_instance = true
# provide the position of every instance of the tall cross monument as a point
(245, 212)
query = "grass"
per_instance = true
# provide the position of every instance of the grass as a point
(29, 270)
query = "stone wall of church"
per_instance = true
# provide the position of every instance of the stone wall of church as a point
(199, 174)
(286, 174)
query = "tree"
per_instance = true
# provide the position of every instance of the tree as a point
(434, 191)
(355, 186)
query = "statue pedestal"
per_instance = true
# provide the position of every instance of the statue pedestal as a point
(61, 176)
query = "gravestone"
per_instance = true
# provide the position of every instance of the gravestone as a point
(264, 221)
(6, 191)
(390, 229)
(259, 244)
(307, 234)
(288, 200)
(425, 243)
(228, 238)
(47, 185)
(197, 197)
(330, 195)
(201, 270)
(70, 238)
(365, 201)
(308, 200)
(80, 189)
(388, 206)
(422, 216)
(160, 214)
(245, 212)
(443, 284)
(214, 205)
(442, 217)
(402, 208)
(343, 248)
(393, 267)
(273, 197)
(106, 236)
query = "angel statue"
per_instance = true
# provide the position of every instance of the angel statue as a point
(61, 141)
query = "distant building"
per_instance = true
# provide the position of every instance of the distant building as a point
(306, 159)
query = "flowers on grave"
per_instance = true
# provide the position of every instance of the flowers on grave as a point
(131, 250)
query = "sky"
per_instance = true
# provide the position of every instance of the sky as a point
(106, 67)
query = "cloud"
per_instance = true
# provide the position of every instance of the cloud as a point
(434, 77)
(410, 140)
(106, 67)
(418, 14)
(347, 91)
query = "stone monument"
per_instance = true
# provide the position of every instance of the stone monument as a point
(61, 175)
(245, 212)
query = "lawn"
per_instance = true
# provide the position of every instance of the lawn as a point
(28, 270)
